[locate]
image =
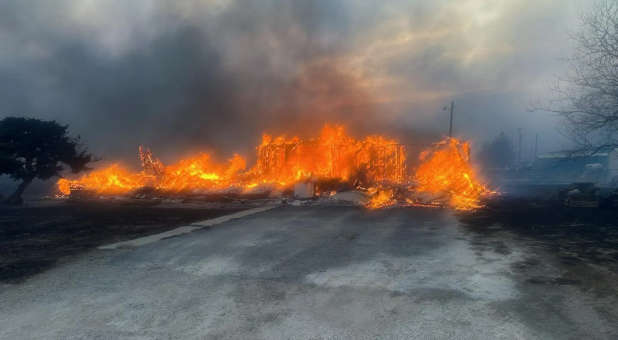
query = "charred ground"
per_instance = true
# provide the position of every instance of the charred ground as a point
(36, 237)
(575, 234)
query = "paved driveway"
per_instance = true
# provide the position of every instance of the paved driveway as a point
(311, 272)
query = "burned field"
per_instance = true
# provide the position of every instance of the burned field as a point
(575, 234)
(35, 238)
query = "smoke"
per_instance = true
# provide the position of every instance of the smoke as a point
(215, 74)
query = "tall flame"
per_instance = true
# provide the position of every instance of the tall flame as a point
(281, 162)
(333, 154)
(446, 170)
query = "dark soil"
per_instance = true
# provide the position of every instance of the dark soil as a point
(33, 239)
(574, 234)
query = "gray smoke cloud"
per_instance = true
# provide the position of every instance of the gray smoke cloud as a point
(215, 74)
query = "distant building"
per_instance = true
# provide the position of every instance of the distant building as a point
(600, 167)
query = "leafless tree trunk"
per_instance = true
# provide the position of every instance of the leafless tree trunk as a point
(587, 97)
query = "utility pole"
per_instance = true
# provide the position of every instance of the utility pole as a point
(519, 147)
(450, 125)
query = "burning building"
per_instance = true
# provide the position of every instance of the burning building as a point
(375, 164)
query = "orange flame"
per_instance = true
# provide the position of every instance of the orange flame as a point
(333, 154)
(111, 180)
(381, 199)
(446, 170)
(281, 162)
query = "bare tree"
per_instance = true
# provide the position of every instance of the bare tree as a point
(587, 97)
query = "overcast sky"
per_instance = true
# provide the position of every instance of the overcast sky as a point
(215, 74)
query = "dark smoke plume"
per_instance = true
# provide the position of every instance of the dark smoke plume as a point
(215, 74)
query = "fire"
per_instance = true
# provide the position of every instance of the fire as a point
(200, 173)
(64, 186)
(332, 156)
(111, 180)
(381, 199)
(446, 171)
